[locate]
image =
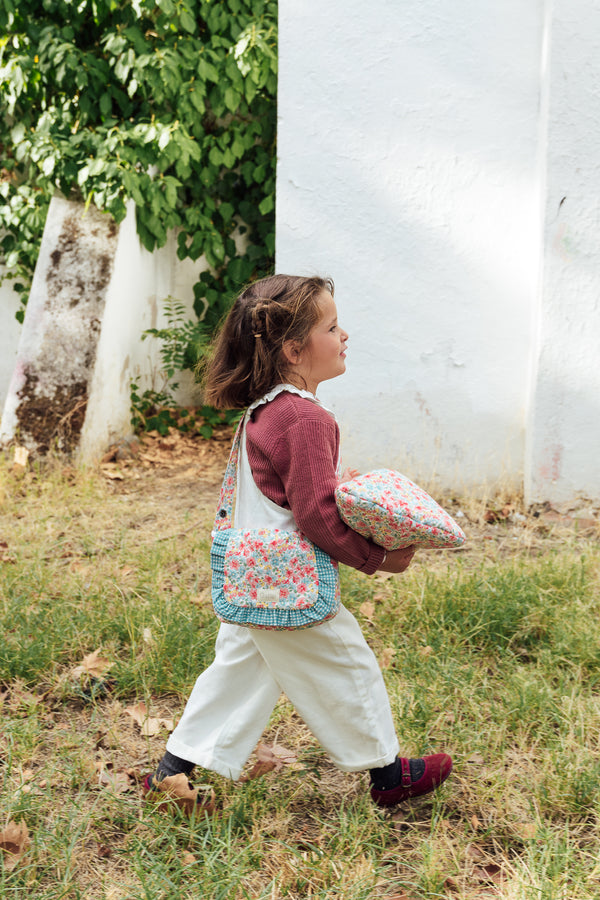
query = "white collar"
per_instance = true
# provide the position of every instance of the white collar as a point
(279, 389)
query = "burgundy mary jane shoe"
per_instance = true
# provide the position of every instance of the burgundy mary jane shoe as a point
(437, 769)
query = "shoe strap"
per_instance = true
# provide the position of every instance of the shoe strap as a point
(406, 776)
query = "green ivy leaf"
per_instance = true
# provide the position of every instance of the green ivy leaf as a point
(267, 205)
(105, 104)
(187, 21)
(232, 99)
(206, 70)
(227, 211)
(215, 156)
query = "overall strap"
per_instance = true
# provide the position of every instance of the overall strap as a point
(224, 517)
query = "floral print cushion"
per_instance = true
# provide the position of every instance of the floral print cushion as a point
(392, 511)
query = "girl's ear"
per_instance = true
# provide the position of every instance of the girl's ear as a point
(291, 352)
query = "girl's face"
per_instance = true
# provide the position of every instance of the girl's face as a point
(324, 354)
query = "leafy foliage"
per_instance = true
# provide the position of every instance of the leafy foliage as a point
(182, 344)
(170, 104)
(183, 340)
(153, 410)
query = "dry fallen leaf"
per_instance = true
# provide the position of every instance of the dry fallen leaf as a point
(177, 791)
(367, 609)
(384, 576)
(259, 769)
(118, 782)
(526, 830)
(93, 664)
(113, 474)
(19, 699)
(491, 516)
(138, 713)
(490, 872)
(283, 755)
(270, 759)
(475, 759)
(79, 565)
(150, 726)
(471, 851)
(386, 657)
(14, 841)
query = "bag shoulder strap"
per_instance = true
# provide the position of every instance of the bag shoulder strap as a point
(224, 515)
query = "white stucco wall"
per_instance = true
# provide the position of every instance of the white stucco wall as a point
(10, 332)
(140, 283)
(424, 151)
(408, 172)
(564, 427)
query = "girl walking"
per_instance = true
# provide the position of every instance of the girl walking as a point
(280, 340)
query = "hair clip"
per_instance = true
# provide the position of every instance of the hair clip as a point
(257, 334)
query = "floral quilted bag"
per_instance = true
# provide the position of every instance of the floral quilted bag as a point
(392, 511)
(268, 577)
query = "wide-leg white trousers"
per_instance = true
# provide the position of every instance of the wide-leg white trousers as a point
(329, 674)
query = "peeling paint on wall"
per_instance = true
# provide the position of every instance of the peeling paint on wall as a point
(550, 466)
(51, 421)
(62, 328)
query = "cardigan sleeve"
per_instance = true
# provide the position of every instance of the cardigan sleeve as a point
(293, 459)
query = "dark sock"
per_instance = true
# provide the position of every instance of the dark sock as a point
(173, 765)
(387, 777)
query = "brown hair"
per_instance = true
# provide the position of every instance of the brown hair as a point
(247, 359)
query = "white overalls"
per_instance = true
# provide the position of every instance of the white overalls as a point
(328, 673)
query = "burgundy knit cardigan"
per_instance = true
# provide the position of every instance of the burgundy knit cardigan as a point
(293, 447)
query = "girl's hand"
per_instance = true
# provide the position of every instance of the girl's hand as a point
(349, 474)
(398, 560)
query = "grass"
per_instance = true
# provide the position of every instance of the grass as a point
(491, 654)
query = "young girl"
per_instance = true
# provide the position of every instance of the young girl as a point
(280, 340)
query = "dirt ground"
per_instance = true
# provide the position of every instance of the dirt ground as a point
(181, 475)
(180, 471)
